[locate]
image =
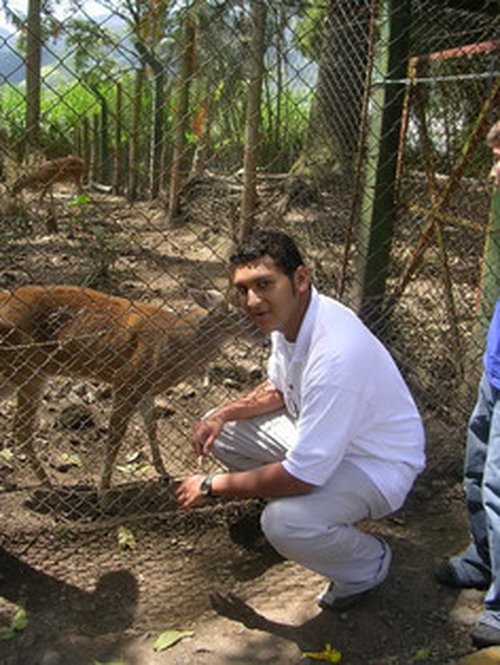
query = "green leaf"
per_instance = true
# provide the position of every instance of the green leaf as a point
(126, 538)
(6, 455)
(20, 620)
(170, 637)
(134, 467)
(422, 654)
(79, 200)
(71, 458)
(18, 623)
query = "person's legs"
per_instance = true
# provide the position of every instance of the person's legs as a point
(317, 530)
(471, 568)
(488, 629)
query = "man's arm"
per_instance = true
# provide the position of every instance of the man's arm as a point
(270, 480)
(265, 398)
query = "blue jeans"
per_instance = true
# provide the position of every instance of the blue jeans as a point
(481, 559)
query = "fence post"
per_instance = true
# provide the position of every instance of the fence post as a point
(374, 236)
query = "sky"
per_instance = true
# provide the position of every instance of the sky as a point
(61, 9)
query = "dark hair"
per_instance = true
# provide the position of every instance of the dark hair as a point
(276, 244)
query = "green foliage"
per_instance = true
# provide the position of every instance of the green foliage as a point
(13, 110)
(307, 31)
(92, 45)
(218, 92)
(18, 624)
(283, 132)
(126, 539)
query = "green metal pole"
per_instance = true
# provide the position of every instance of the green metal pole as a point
(375, 232)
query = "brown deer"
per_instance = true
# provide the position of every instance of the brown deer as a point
(137, 348)
(65, 169)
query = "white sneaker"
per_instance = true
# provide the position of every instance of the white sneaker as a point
(331, 600)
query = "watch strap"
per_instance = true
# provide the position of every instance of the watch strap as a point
(206, 484)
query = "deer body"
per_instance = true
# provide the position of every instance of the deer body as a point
(139, 349)
(64, 169)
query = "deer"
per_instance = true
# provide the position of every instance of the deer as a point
(64, 169)
(137, 348)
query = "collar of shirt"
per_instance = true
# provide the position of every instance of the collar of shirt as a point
(303, 340)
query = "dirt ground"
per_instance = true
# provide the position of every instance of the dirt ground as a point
(104, 594)
(89, 601)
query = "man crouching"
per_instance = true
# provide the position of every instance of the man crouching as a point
(332, 436)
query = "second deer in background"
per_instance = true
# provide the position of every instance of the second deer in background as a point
(69, 169)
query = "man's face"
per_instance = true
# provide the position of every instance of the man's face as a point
(272, 300)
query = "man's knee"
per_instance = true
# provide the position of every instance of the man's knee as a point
(284, 522)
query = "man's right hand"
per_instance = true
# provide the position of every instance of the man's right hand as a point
(205, 432)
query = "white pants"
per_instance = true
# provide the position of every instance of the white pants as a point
(316, 530)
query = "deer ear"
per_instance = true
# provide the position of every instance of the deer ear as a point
(207, 298)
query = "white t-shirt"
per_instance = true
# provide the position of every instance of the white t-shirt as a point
(349, 400)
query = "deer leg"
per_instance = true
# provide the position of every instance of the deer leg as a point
(122, 409)
(24, 427)
(148, 413)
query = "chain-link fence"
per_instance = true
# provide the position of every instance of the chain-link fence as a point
(171, 129)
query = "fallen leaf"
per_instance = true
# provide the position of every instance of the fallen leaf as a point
(6, 455)
(422, 654)
(328, 655)
(134, 467)
(79, 200)
(126, 538)
(20, 620)
(7, 634)
(18, 623)
(170, 637)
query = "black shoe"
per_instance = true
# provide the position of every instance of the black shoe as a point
(342, 604)
(485, 636)
(446, 574)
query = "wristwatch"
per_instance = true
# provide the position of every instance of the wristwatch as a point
(206, 484)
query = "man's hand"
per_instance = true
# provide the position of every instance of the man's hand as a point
(188, 494)
(205, 432)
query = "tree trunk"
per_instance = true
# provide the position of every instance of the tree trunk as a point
(33, 67)
(105, 161)
(134, 147)
(157, 133)
(179, 169)
(257, 49)
(331, 141)
(117, 170)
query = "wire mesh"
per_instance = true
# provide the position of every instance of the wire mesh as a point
(369, 149)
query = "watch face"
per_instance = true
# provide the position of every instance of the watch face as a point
(206, 486)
